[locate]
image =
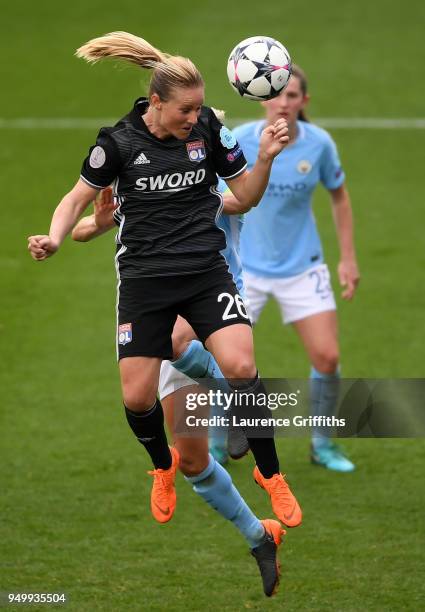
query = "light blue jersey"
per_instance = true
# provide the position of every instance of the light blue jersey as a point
(231, 225)
(279, 237)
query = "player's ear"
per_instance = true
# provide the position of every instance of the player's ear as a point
(155, 101)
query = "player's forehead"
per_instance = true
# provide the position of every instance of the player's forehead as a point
(188, 96)
(294, 85)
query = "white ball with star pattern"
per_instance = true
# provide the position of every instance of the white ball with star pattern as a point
(259, 68)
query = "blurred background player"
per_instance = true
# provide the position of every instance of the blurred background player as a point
(282, 255)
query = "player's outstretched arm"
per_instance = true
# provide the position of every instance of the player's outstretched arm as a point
(100, 221)
(42, 246)
(348, 271)
(249, 187)
(232, 206)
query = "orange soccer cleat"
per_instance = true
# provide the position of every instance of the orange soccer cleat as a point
(163, 495)
(284, 504)
(266, 556)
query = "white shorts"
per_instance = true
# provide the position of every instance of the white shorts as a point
(298, 296)
(170, 380)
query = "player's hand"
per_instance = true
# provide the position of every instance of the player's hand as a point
(104, 208)
(41, 247)
(274, 139)
(349, 277)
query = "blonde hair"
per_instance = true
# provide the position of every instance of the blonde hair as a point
(220, 114)
(169, 71)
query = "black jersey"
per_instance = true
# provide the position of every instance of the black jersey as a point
(167, 192)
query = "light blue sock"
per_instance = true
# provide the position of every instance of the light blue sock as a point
(217, 436)
(197, 362)
(324, 390)
(215, 486)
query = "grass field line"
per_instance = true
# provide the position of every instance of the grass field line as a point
(342, 123)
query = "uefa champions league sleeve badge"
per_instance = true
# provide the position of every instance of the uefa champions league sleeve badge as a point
(227, 138)
(97, 157)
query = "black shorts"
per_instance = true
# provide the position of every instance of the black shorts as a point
(148, 309)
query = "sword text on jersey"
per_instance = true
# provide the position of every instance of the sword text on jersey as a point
(170, 182)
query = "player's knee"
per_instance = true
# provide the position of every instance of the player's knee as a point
(180, 343)
(327, 361)
(136, 399)
(239, 366)
(181, 337)
(191, 465)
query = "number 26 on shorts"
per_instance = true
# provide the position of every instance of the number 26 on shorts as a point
(232, 301)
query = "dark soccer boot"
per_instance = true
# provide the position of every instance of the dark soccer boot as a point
(266, 556)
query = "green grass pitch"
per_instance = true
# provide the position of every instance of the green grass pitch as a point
(74, 490)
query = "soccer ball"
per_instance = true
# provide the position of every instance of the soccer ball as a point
(259, 68)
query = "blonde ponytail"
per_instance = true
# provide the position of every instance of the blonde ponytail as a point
(121, 45)
(168, 71)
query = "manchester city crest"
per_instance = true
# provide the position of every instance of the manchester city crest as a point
(304, 166)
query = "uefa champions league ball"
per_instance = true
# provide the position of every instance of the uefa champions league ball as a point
(259, 68)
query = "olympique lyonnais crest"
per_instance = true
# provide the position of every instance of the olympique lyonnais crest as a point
(125, 334)
(196, 150)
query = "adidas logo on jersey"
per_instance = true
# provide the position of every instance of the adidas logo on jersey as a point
(141, 159)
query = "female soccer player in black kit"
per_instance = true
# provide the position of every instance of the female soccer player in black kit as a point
(164, 158)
